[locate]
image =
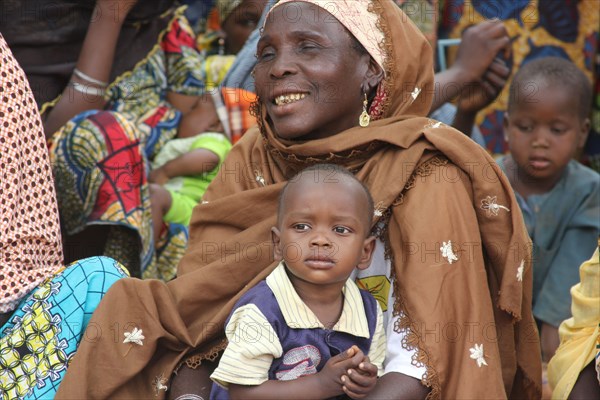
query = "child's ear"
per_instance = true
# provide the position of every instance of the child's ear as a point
(276, 239)
(367, 253)
(505, 126)
(585, 130)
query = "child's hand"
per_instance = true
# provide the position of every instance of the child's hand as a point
(330, 376)
(158, 176)
(360, 381)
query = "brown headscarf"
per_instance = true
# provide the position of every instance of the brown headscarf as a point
(469, 319)
(30, 241)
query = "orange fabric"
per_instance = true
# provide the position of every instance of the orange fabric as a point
(406, 160)
(30, 241)
(238, 103)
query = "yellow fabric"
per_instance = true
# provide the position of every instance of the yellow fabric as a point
(579, 334)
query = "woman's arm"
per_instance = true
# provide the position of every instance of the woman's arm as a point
(95, 61)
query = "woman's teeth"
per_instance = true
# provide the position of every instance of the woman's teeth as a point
(289, 98)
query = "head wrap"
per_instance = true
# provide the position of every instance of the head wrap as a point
(400, 158)
(358, 18)
(226, 7)
(30, 241)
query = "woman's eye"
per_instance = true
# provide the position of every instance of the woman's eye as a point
(341, 230)
(308, 46)
(265, 54)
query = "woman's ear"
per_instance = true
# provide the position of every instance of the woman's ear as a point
(373, 76)
(276, 239)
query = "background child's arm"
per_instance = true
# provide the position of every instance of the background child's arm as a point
(195, 162)
(322, 385)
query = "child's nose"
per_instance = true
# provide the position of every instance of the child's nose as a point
(541, 138)
(320, 239)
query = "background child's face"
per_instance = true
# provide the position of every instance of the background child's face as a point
(322, 233)
(544, 130)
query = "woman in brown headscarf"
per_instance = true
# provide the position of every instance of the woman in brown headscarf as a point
(44, 307)
(453, 270)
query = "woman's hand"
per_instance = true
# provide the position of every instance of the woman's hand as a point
(359, 382)
(482, 93)
(480, 44)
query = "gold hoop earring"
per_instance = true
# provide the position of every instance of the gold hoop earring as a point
(364, 118)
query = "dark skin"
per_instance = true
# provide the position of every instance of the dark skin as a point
(327, 225)
(96, 60)
(309, 56)
(587, 386)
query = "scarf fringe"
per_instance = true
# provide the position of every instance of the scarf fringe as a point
(412, 339)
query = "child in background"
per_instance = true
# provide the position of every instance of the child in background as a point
(546, 124)
(181, 173)
(306, 330)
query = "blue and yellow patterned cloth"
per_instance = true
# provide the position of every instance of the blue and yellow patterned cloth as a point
(41, 337)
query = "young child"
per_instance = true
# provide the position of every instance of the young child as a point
(181, 173)
(545, 125)
(307, 329)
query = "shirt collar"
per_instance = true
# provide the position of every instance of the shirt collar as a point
(298, 315)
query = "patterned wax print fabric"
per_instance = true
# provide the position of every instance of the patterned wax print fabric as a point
(30, 239)
(40, 338)
(101, 157)
(537, 28)
(425, 14)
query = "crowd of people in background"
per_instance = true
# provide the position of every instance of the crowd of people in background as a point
(163, 141)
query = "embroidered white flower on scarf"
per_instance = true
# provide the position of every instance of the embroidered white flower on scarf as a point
(159, 384)
(135, 336)
(433, 124)
(491, 207)
(520, 271)
(379, 209)
(415, 93)
(477, 354)
(259, 178)
(447, 252)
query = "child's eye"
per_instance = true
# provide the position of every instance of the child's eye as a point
(301, 227)
(342, 230)
(524, 128)
(557, 131)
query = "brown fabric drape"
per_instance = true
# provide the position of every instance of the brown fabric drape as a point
(437, 186)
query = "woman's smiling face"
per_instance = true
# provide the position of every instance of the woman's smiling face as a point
(309, 76)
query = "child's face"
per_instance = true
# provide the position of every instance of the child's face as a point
(544, 131)
(322, 232)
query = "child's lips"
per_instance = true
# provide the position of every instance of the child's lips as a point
(320, 263)
(539, 163)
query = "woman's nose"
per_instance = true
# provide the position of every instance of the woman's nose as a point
(283, 65)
